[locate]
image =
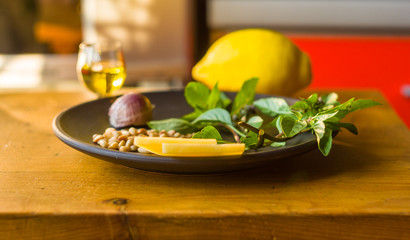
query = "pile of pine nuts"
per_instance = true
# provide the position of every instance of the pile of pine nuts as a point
(123, 140)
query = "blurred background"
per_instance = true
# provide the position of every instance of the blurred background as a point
(355, 44)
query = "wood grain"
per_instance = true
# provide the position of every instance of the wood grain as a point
(50, 191)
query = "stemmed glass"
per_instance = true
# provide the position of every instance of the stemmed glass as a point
(101, 67)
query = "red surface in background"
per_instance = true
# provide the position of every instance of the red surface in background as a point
(361, 63)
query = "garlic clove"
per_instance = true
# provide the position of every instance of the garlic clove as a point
(131, 109)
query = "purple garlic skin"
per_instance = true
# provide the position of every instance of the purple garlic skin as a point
(131, 109)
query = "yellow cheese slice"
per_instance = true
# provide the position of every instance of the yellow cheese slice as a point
(154, 144)
(202, 150)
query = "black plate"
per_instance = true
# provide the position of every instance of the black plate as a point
(76, 126)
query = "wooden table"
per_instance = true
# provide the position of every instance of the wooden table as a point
(51, 191)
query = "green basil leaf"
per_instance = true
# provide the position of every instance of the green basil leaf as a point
(245, 96)
(306, 105)
(286, 125)
(312, 99)
(319, 129)
(335, 126)
(215, 115)
(176, 124)
(255, 121)
(225, 100)
(323, 117)
(341, 109)
(363, 103)
(209, 132)
(272, 106)
(323, 137)
(278, 144)
(325, 143)
(343, 106)
(350, 127)
(291, 126)
(277, 123)
(350, 106)
(196, 95)
(250, 140)
(300, 105)
(330, 99)
(214, 99)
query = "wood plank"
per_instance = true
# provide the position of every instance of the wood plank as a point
(123, 226)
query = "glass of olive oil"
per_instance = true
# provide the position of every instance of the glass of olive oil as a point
(101, 67)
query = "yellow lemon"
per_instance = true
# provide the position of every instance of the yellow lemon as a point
(282, 68)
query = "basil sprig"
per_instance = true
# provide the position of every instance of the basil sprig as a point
(263, 122)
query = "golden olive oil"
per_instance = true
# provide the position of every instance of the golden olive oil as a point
(104, 78)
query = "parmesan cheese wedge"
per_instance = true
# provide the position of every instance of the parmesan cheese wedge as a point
(202, 150)
(188, 147)
(154, 144)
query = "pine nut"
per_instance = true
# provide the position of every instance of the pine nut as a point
(152, 133)
(112, 139)
(122, 137)
(124, 149)
(134, 148)
(113, 145)
(97, 137)
(116, 133)
(103, 143)
(133, 131)
(142, 131)
(128, 143)
(125, 133)
(109, 130)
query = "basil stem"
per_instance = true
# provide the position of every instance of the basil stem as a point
(263, 133)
